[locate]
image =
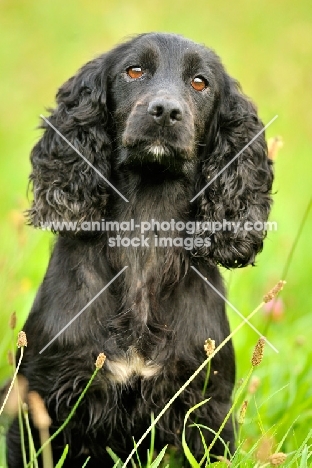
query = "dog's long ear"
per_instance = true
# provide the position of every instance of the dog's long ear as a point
(241, 191)
(65, 187)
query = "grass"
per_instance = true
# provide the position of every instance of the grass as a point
(265, 46)
(264, 451)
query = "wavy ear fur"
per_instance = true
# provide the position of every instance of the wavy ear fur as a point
(242, 192)
(65, 187)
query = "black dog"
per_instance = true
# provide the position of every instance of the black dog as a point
(158, 117)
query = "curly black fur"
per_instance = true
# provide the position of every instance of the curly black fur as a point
(159, 141)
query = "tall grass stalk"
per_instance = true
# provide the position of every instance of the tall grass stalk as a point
(234, 404)
(185, 385)
(290, 256)
(207, 378)
(13, 380)
(12, 325)
(31, 445)
(98, 366)
(21, 428)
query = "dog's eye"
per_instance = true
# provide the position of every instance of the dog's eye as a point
(199, 83)
(135, 72)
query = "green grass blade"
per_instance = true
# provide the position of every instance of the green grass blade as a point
(159, 458)
(150, 452)
(304, 458)
(86, 462)
(190, 457)
(61, 461)
(115, 458)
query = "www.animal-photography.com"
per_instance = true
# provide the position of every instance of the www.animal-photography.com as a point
(156, 216)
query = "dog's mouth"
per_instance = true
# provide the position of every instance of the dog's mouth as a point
(158, 151)
(157, 161)
(157, 154)
(154, 150)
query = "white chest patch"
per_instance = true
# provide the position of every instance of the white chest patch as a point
(123, 369)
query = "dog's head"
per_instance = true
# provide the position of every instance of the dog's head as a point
(158, 99)
(164, 89)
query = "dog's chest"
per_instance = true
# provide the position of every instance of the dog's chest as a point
(132, 364)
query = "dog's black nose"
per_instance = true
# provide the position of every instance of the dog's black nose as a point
(166, 112)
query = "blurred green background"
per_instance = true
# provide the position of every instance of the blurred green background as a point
(266, 45)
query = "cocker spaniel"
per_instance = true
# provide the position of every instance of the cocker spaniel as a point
(145, 145)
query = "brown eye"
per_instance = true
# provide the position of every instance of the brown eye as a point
(199, 83)
(135, 72)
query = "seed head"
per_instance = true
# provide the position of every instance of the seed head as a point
(242, 413)
(274, 145)
(209, 346)
(21, 339)
(25, 408)
(274, 291)
(258, 352)
(38, 410)
(240, 382)
(254, 384)
(10, 358)
(12, 322)
(99, 363)
(264, 449)
(277, 458)
(223, 460)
